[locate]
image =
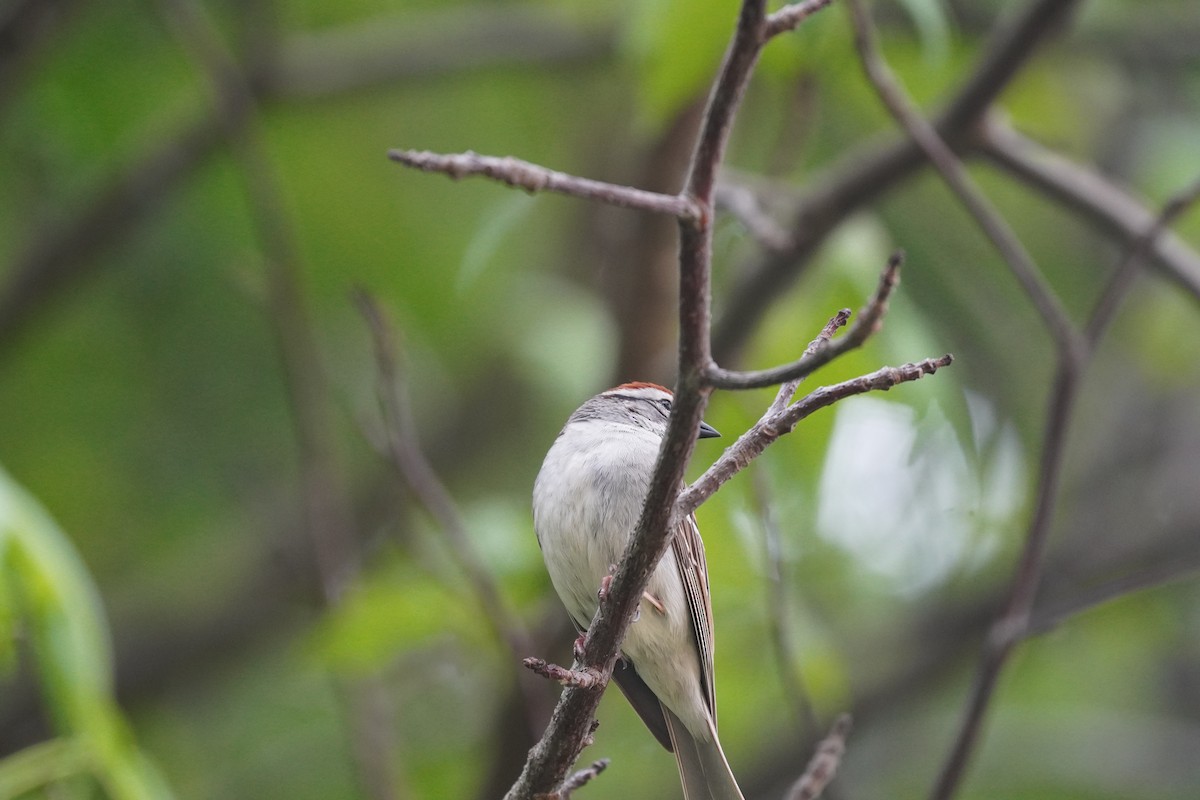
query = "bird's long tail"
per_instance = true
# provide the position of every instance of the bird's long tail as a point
(702, 766)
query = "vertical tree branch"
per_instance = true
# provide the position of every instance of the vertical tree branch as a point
(549, 760)
(326, 505)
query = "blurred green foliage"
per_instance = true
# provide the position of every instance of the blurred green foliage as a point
(144, 404)
(50, 603)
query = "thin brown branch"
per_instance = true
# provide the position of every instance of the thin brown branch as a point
(533, 178)
(752, 443)
(1113, 211)
(955, 175)
(868, 323)
(723, 103)
(791, 16)
(824, 763)
(585, 678)
(787, 390)
(579, 780)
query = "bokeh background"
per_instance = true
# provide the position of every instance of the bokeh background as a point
(214, 582)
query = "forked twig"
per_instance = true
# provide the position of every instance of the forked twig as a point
(867, 324)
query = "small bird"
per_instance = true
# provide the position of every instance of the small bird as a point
(586, 503)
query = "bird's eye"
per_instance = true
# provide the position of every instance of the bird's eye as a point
(665, 403)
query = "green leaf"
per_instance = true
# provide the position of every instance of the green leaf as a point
(933, 27)
(41, 765)
(675, 48)
(50, 588)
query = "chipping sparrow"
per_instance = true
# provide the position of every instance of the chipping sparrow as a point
(586, 502)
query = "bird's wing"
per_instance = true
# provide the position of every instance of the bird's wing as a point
(689, 557)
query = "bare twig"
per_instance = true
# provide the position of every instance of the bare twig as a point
(868, 323)
(824, 763)
(787, 390)
(533, 178)
(790, 16)
(585, 678)
(577, 780)
(751, 443)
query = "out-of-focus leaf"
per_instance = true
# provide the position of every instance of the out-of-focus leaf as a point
(41, 765)
(933, 26)
(506, 214)
(54, 593)
(675, 47)
(394, 611)
(69, 635)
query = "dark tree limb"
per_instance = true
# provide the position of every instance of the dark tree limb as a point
(1113, 211)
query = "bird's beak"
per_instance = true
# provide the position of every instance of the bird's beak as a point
(707, 431)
